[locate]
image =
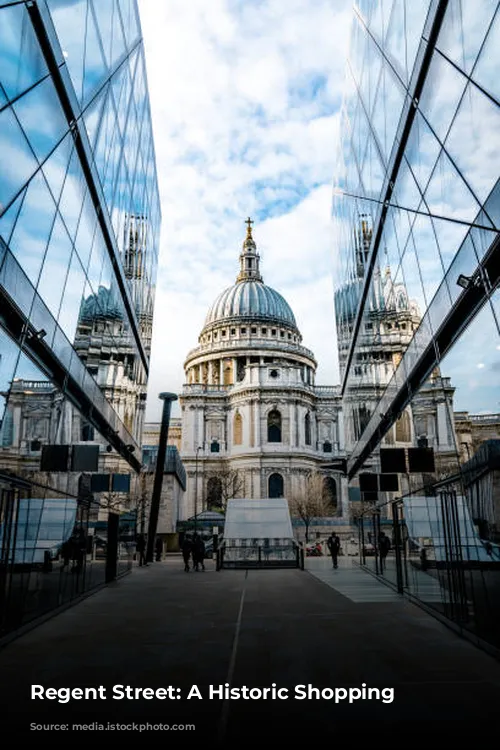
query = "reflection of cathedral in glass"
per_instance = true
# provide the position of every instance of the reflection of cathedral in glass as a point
(389, 321)
(103, 339)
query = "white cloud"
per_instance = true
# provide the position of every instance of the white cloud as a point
(245, 100)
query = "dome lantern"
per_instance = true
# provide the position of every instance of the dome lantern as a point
(249, 258)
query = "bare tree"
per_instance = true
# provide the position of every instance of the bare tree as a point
(223, 483)
(313, 502)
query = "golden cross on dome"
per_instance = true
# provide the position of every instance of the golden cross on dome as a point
(249, 223)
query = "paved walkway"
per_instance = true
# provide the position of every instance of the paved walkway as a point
(162, 627)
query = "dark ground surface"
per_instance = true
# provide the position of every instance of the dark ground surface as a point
(161, 626)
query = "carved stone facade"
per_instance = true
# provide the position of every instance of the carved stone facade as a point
(250, 406)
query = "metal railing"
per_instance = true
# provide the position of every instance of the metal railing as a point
(257, 556)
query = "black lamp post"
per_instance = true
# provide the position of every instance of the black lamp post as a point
(167, 399)
(196, 487)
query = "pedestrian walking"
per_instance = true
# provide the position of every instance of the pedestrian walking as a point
(159, 548)
(198, 552)
(384, 545)
(333, 544)
(141, 549)
(187, 549)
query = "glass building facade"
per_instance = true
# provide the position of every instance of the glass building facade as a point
(79, 236)
(417, 217)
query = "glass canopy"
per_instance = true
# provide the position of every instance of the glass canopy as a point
(258, 533)
(258, 519)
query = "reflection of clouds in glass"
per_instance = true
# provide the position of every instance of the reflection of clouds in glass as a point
(33, 226)
(473, 365)
(21, 61)
(486, 69)
(464, 27)
(41, 117)
(441, 95)
(18, 162)
(448, 195)
(477, 124)
(55, 267)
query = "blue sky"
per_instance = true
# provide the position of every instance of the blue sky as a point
(245, 98)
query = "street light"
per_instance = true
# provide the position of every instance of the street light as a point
(167, 399)
(199, 448)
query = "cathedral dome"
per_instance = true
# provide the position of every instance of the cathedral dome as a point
(250, 297)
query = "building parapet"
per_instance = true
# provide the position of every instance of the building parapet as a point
(282, 346)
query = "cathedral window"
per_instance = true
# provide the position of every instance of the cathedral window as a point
(86, 431)
(214, 446)
(238, 429)
(254, 330)
(327, 447)
(276, 485)
(214, 493)
(274, 426)
(273, 332)
(223, 333)
(233, 331)
(330, 492)
(264, 331)
(282, 333)
(307, 426)
(243, 330)
(403, 428)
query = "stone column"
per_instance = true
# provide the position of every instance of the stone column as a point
(252, 424)
(258, 437)
(293, 435)
(442, 425)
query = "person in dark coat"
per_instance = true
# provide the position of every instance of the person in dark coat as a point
(141, 549)
(334, 548)
(187, 549)
(384, 545)
(159, 549)
(198, 552)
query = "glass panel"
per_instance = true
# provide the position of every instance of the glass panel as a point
(128, 12)
(17, 284)
(92, 116)
(422, 151)
(474, 363)
(42, 118)
(464, 28)
(86, 230)
(486, 68)
(56, 165)
(21, 61)
(20, 163)
(9, 218)
(32, 231)
(413, 282)
(448, 195)
(8, 363)
(477, 124)
(449, 236)
(73, 194)
(441, 96)
(95, 68)
(70, 21)
(70, 306)
(55, 266)
(495, 304)
(427, 252)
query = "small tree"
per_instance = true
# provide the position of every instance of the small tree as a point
(313, 502)
(223, 483)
